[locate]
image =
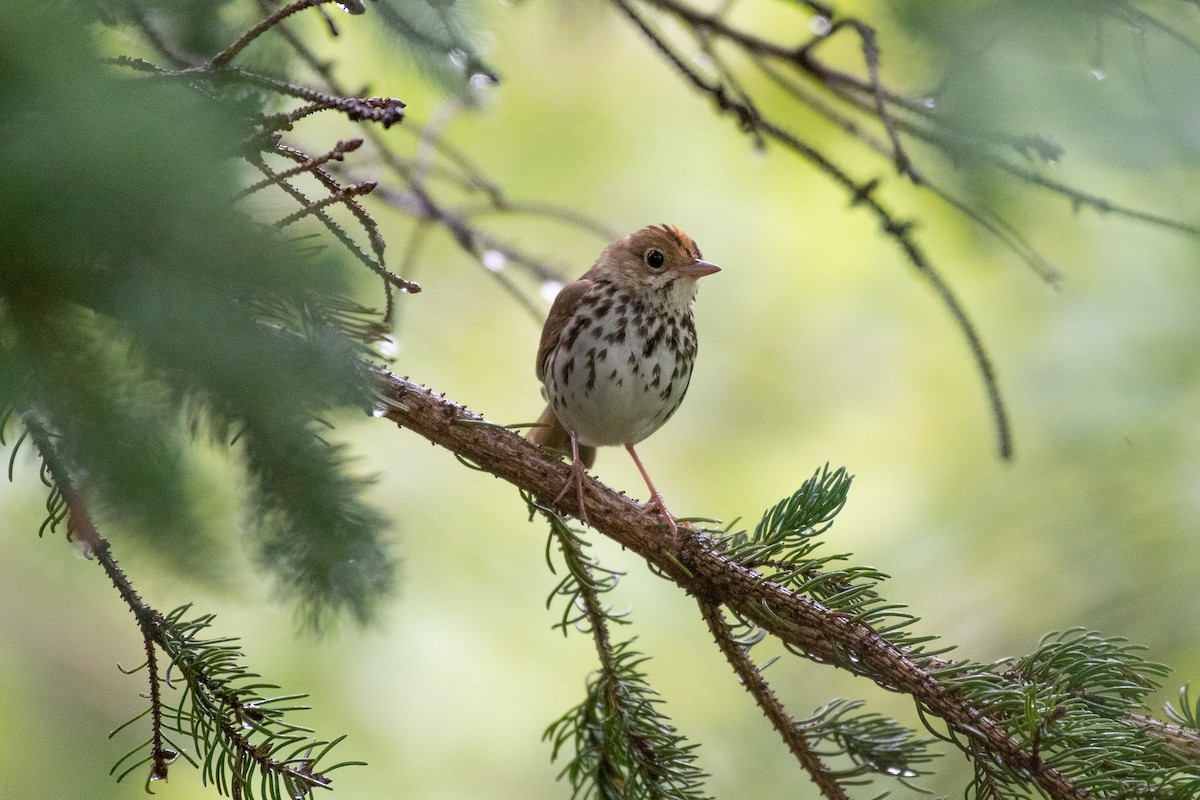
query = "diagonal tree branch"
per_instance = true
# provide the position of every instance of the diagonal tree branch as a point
(696, 563)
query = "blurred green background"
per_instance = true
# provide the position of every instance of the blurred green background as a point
(818, 344)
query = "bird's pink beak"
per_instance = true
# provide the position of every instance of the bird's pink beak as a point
(698, 269)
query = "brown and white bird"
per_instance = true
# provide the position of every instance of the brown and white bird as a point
(617, 351)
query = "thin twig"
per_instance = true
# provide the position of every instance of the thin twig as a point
(341, 195)
(341, 235)
(229, 53)
(991, 222)
(306, 164)
(870, 52)
(860, 194)
(82, 530)
(754, 683)
(419, 202)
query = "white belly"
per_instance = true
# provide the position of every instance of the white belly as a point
(623, 407)
(606, 400)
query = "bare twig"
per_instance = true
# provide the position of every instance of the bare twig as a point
(991, 222)
(419, 198)
(339, 196)
(390, 279)
(306, 164)
(229, 53)
(870, 51)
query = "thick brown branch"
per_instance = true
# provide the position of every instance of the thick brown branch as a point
(698, 565)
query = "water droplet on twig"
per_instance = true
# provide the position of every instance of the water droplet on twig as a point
(494, 260)
(387, 347)
(900, 772)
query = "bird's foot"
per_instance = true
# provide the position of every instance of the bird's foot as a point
(575, 479)
(656, 506)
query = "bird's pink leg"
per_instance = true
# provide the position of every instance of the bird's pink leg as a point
(656, 501)
(576, 479)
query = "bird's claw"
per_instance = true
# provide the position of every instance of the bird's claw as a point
(575, 478)
(656, 505)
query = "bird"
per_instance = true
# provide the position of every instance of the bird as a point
(617, 350)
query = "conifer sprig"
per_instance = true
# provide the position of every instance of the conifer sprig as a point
(620, 743)
(244, 741)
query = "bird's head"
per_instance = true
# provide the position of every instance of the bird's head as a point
(659, 260)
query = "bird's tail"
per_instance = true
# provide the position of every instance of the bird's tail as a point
(551, 435)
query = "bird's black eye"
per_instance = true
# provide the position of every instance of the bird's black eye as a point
(655, 259)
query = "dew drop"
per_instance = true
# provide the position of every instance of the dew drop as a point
(929, 102)
(481, 82)
(494, 260)
(388, 347)
(550, 290)
(901, 772)
(458, 58)
(1098, 74)
(819, 25)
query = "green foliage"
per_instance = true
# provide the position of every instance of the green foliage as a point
(137, 303)
(622, 745)
(437, 36)
(1107, 674)
(1071, 701)
(807, 513)
(244, 738)
(784, 545)
(1188, 714)
(873, 743)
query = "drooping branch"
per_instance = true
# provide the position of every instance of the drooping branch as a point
(623, 745)
(860, 99)
(861, 193)
(230, 724)
(752, 679)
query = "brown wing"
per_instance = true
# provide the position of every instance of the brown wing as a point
(560, 313)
